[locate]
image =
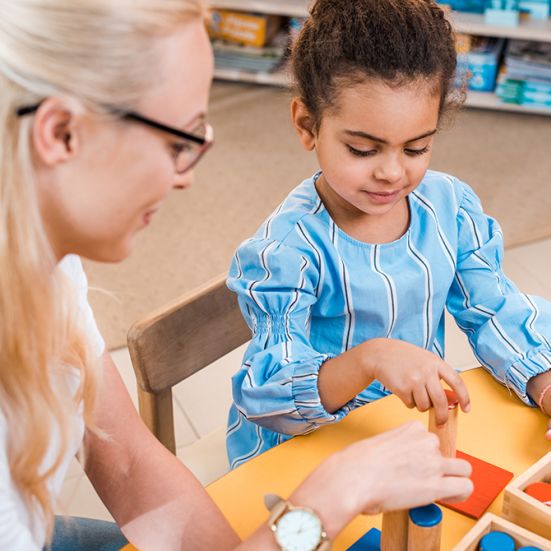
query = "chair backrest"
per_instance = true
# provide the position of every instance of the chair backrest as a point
(178, 340)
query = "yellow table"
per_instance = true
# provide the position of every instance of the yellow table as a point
(499, 429)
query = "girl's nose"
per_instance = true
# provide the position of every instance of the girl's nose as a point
(389, 169)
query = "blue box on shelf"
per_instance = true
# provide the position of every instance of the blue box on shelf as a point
(474, 6)
(480, 65)
(536, 9)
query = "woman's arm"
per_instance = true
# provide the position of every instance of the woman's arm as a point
(398, 469)
(142, 484)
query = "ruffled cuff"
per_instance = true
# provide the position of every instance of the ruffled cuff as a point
(306, 394)
(522, 371)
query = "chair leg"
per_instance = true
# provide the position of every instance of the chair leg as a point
(157, 413)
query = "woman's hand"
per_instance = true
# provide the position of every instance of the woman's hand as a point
(414, 375)
(399, 469)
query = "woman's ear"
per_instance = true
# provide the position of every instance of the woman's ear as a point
(54, 131)
(304, 124)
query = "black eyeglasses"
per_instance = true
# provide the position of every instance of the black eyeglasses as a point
(186, 154)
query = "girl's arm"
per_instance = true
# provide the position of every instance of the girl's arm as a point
(410, 372)
(509, 331)
(536, 386)
(142, 484)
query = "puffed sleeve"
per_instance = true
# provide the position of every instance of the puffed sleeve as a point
(509, 331)
(71, 265)
(277, 384)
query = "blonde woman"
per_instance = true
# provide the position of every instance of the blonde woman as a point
(102, 113)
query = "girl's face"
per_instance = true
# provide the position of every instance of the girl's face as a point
(119, 172)
(375, 146)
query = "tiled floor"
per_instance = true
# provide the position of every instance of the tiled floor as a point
(202, 401)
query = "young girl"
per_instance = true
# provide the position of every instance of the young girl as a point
(345, 285)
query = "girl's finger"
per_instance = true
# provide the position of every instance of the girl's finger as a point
(456, 383)
(421, 397)
(408, 399)
(438, 400)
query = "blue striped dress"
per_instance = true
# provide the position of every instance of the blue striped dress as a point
(309, 292)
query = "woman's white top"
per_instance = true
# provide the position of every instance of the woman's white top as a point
(20, 529)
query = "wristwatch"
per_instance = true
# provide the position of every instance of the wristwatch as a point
(295, 528)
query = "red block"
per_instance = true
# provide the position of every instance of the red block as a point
(540, 491)
(489, 480)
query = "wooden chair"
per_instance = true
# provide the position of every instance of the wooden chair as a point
(178, 340)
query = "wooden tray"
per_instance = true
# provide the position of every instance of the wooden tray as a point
(490, 522)
(525, 510)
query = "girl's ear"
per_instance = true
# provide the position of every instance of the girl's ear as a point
(304, 124)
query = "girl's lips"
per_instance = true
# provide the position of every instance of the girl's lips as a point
(383, 197)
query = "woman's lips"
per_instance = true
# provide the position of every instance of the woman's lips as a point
(148, 215)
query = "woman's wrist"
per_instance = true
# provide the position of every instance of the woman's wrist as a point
(328, 495)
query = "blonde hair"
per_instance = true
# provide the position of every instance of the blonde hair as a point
(101, 52)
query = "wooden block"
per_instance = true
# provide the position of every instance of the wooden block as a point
(489, 523)
(394, 531)
(447, 434)
(524, 509)
(425, 528)
(488, 480)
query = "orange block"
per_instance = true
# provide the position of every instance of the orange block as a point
(489, 480)
(541, 491)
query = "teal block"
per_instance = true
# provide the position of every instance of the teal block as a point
(501, 18)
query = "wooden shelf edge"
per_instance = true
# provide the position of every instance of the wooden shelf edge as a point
(478, 100)
(470, 23)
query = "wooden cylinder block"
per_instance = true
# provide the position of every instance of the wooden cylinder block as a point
(425, 528)
(394, 533)
(447, 434)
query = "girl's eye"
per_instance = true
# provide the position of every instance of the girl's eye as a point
(416, 152)
(361, 152)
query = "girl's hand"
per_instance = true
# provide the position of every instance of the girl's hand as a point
(398, 469)
(414, 375)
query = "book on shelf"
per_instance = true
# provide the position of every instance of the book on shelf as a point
(248, 58)
(525, 77)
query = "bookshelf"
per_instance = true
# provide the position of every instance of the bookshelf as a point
(469, 23)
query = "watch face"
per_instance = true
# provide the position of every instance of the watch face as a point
(298, 530)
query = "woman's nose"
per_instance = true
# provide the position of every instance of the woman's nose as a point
(183, 181)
